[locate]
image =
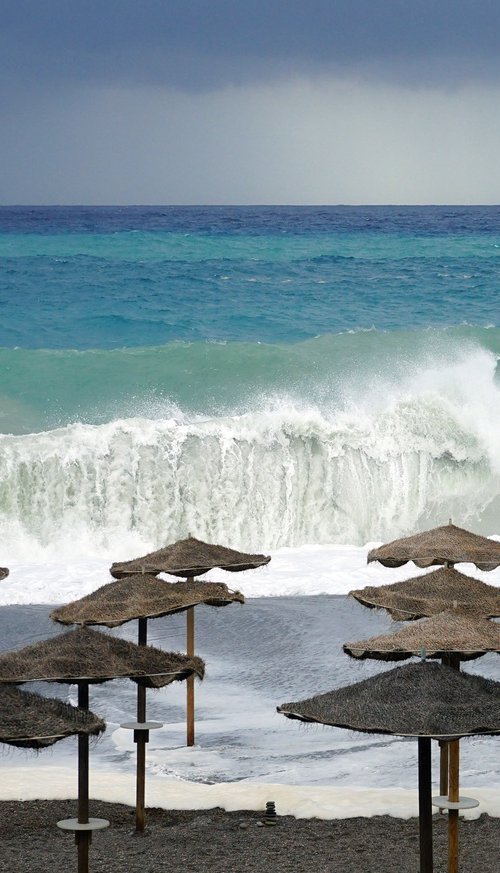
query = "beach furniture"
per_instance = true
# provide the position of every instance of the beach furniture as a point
(142, 597)
(430, 593)
(85, 657)
(445, 635)
(35, 722)
(453, 637)
(446, 545)
(31, 721)
(189, 558)
(424, 700)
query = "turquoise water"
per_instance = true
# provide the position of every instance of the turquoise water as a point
(79, 278)
(303, 374)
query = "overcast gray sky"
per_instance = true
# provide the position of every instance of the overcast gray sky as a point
(183, 101)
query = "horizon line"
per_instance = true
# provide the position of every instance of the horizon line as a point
(249, 205)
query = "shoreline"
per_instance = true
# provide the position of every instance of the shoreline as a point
(54, 783)
(216, 841)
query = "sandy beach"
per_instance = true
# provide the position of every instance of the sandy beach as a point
(217, 841)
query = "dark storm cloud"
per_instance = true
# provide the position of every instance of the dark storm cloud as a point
(198, 44)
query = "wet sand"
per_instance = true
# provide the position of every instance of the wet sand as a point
(215, 841)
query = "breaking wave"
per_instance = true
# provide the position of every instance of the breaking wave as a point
(401, 449)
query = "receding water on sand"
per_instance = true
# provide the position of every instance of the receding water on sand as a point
(270, 651)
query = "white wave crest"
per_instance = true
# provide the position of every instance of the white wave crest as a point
(402, 457)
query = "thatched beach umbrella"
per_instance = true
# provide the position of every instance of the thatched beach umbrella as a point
(446, 545)
(453, 637)
(90, 657)
(142, 597)
(4, 572)
(423, 700)
(31, 721)
(431, 593)
(189, 558)
(448, 633)
(86, 656)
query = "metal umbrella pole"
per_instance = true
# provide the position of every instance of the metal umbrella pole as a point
(190, 679)
(83, 825)
(425, 804)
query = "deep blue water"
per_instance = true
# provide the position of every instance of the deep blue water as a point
(82, 277)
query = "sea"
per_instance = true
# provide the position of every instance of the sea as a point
(303, 382)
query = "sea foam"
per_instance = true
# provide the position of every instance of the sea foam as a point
(387, 458)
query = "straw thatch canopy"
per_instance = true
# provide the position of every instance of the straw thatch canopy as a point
(142, 597)
(417, 700)
(4, 572)
(188, 558)
(441, 545)
(432, 593)
(34, 722)
(443, 634)
(95, 657)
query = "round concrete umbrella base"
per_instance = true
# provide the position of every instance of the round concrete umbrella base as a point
(93, 824)
(462, 803)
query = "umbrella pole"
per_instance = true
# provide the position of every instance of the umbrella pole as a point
(453, 790)
(82, 838)
(82, 826)
(425, 804)
(453, 813)
(444, 754)
(443, 769)
(140, 737)
(190, 679)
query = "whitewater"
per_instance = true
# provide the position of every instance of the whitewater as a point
(304, 383)
(373, 459)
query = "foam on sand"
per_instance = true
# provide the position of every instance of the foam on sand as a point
(302, 801)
